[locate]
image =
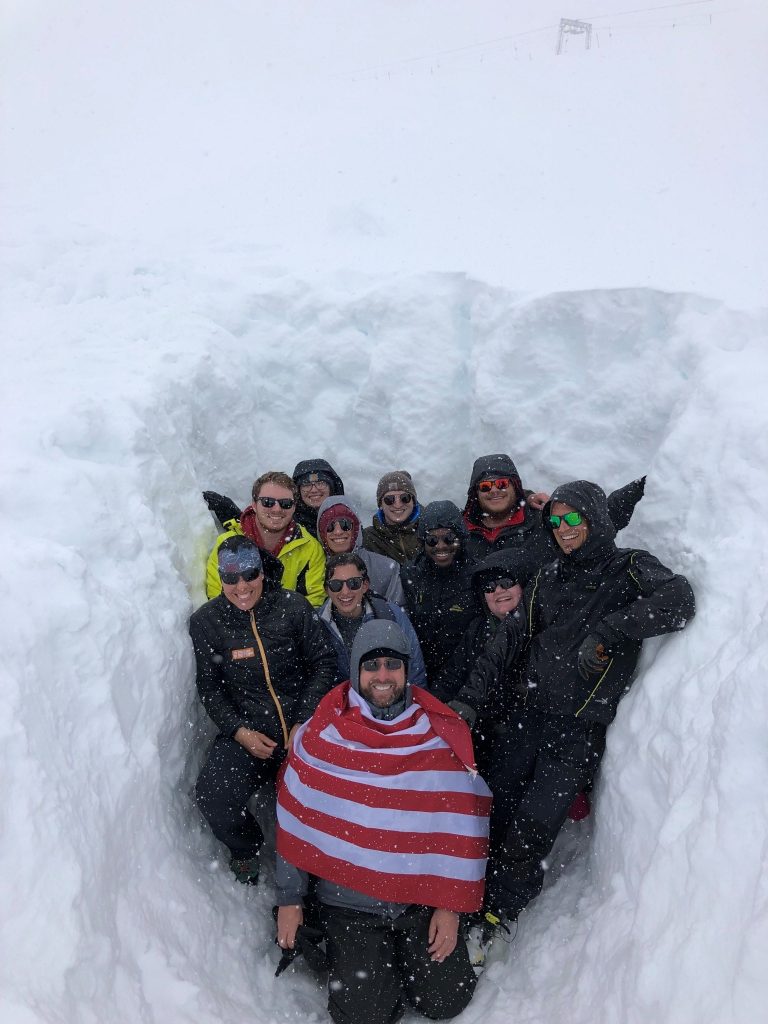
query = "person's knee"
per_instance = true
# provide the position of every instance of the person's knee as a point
(450, 1004)
(215, 803)
(440, 991)
(345, 1007)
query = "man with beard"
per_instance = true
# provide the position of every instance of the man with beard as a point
(263, 663)
(315, 480)
(499, 513)
(379, 800)
(570, 657)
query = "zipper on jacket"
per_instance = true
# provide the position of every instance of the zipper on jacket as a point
(268, 678)
(597, 686)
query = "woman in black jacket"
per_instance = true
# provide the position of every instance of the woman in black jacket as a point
(263, 663)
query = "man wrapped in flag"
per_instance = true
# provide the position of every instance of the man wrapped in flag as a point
(380, 801)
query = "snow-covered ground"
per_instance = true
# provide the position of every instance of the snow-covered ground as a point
(391, 234)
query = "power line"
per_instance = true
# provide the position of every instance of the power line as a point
(644, 10)
(436, 54)
(457, 49)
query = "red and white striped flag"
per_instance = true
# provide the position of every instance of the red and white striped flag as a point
(393, 809)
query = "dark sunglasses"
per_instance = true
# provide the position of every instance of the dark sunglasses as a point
(247, 575)
(570, 518)
(393, 499)
(372, 664)
(284, 503)
(354, 583)
(344, 524)
(504, 582)
(319, 481)
(501, 484)
(448, 540)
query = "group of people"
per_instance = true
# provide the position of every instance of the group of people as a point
(431, 694)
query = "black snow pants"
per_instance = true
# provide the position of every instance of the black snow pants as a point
(228, 780)
(538, 766)
(379, 966)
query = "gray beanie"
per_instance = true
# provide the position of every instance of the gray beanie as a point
(376, 635)
(397, 480)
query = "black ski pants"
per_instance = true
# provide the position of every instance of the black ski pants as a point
(539, 765)
(379, 966)
(227, 782)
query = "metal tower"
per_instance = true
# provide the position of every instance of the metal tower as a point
(569, 27)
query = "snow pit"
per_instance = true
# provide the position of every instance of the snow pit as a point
(120, 907)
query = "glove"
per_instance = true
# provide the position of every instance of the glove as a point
(308, 941)
(467, 713)
(593, 657)
(621, 503)
(222, 507)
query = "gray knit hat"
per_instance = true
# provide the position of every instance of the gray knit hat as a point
(397, 480)
(376, 635)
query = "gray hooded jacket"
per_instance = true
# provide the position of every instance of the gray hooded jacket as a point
(383, 572)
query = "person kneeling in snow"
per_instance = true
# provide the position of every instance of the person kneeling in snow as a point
(571, 656)
(380, 801)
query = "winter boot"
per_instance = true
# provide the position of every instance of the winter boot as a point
(483, 929)
(246, 870)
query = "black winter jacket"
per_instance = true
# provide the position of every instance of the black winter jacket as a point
(455, 672)
(441, 602)
(530, 533)
(304, 514)
(230, 676)
(621, 596)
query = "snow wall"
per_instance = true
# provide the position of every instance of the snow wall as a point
(117, 904)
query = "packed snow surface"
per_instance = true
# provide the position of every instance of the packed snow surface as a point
(231, 245)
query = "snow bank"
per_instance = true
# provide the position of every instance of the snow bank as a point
(137, 383)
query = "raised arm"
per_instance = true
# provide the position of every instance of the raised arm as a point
(622, 502)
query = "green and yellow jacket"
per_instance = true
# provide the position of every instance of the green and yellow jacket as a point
(301, 556)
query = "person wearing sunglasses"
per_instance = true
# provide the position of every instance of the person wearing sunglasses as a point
(351, 603)
(339, 531)
(500, 513)
(571, 656)
(438, 586)
(269, 522)
(392, 532)
(369, 784)
(263, 662)
(316, 480)
(498, 583)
